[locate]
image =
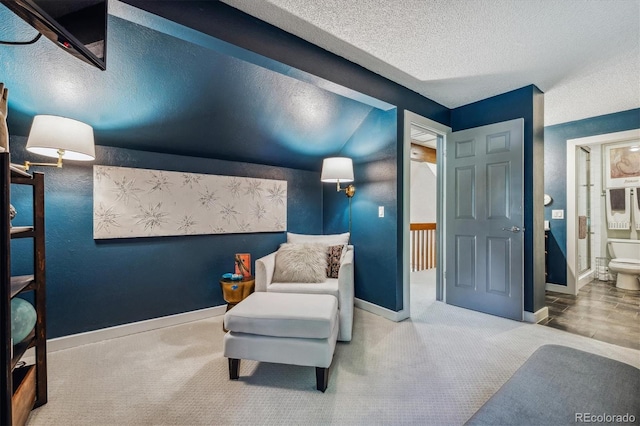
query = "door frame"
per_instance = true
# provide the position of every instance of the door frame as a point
(573, 286)
(443, 132)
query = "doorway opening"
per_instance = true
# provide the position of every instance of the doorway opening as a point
(597, 222)
(484, 177)
(422, 227)
(424, 145)
(592, 221)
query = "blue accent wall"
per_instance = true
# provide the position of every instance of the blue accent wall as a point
(96, 284)
(377, 176)
(555, 177)
(373, 146)
(521, 103)
(99, 284)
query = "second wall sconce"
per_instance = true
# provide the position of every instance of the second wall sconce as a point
(337, 170)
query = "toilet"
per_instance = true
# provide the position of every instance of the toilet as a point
(625, 262)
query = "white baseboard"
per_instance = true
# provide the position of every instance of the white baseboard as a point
(557, 288)
(536, 317)
(95, 336)
(379, 310)
(71, 341)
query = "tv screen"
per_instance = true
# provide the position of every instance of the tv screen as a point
(77, 26)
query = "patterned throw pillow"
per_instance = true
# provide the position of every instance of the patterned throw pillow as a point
(334, 256)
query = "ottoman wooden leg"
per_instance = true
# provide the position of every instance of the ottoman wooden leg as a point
(322, 378)
(234, 368)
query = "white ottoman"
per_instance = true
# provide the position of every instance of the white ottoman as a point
(285, 328)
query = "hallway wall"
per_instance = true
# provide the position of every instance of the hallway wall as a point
(423, 192)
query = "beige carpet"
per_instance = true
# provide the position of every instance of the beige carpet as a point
(436, 369)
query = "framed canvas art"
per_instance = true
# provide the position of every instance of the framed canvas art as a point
(622, 165)
(129, 203)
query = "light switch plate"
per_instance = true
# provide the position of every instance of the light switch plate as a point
(557, 214)
(380, 211)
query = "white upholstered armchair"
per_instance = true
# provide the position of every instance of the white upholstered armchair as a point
(341, 287)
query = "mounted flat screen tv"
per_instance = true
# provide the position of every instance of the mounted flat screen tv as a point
(77, 26)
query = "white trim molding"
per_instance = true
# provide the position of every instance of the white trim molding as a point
(558, 288)
(536, 317)
(380, 311)
(95, 336)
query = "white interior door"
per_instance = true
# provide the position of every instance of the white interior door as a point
(485, 219)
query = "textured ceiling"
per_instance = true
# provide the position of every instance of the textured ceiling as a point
(169, 88)
(584, 54)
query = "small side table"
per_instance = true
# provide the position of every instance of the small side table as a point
(235, 291)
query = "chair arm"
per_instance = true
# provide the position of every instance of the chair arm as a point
(264, 271)
(346, 295)
(345, 276)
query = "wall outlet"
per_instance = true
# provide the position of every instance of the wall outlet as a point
(380, 211)
(557, 214)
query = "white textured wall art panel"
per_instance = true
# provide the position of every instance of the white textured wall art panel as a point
(149, 203)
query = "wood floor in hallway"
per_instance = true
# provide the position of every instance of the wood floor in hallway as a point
(600, 311)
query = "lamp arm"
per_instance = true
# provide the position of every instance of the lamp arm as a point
(58, 164)
(349, 190)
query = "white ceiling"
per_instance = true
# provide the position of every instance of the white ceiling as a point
(583, 54)
(423, 137)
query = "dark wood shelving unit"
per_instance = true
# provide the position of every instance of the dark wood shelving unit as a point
(23, 387)
(22, 232)
(19, 349)
(22, 283)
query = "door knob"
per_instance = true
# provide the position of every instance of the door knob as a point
(513, 229)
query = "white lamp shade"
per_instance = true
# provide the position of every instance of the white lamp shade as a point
(337, 169)
(50, 133)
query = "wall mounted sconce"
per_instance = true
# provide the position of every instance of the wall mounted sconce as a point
(336, 170)
(339, 169)
(61, 138)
